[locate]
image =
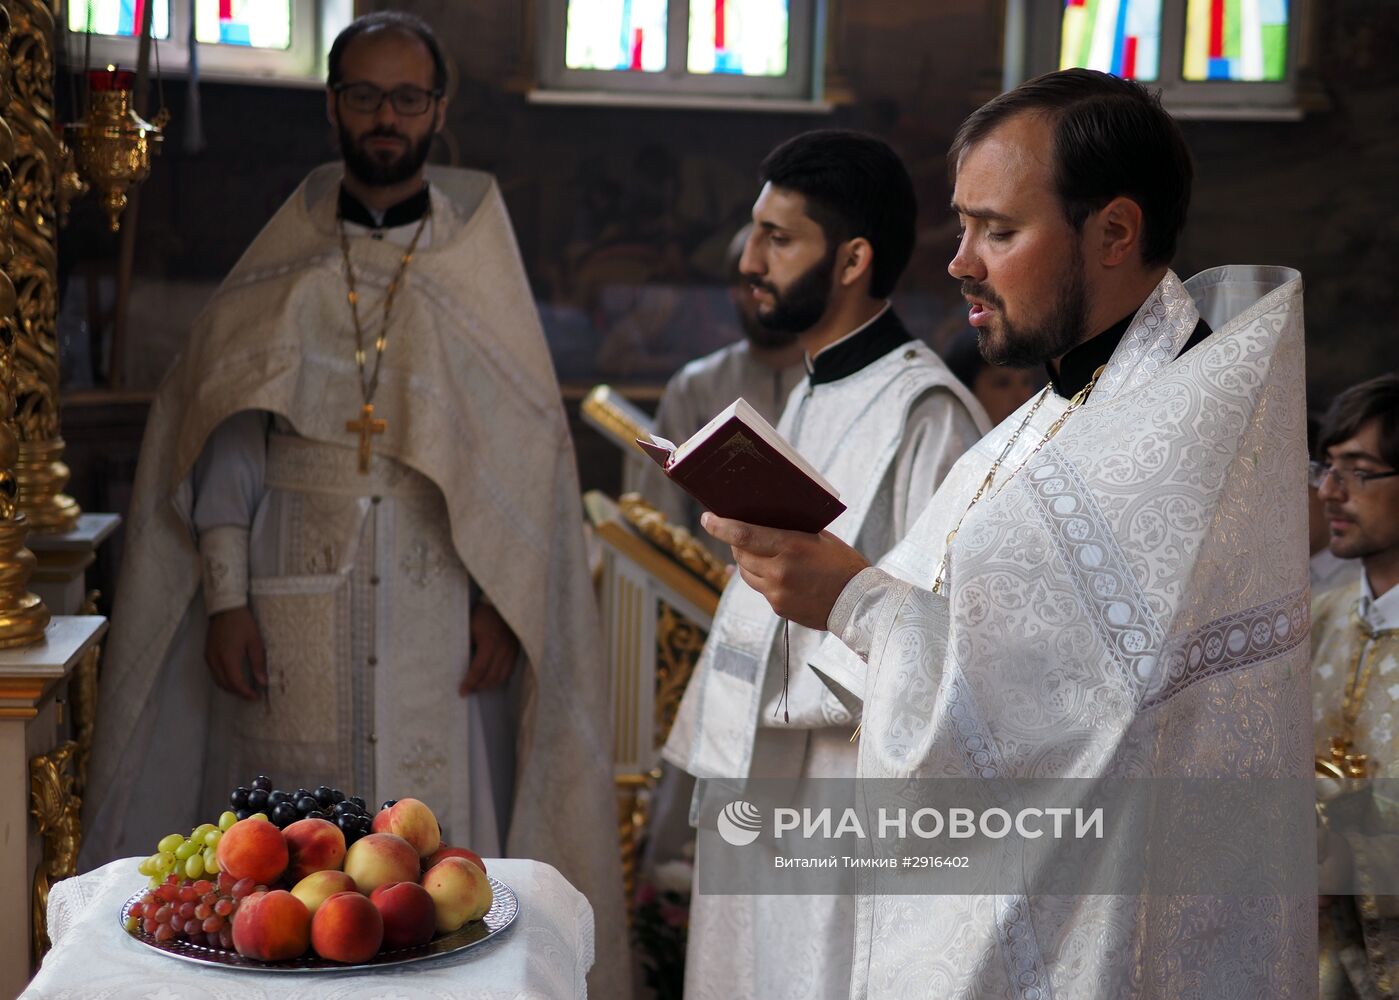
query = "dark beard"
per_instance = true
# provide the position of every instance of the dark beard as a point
(761, 336)
(802, 305)
(375, 171)
(1029, 347)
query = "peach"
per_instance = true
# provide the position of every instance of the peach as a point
(415, 823)
(460, 893)
(317, 887)
(446, 851)
(380, 823)
(380, 858)
(313, 845)
(347, 928)
(410, 917)
(271, 926)
(255, 849)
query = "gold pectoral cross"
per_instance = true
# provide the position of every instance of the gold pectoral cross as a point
(366, 426)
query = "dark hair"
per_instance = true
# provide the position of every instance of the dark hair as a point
(854, 186)
(1377, 399)
(1111, 138)
(388, 20)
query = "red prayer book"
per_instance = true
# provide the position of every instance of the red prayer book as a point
(738, 466)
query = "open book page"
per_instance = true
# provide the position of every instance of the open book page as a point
(704, 433)
(658, 448)
(753, 420)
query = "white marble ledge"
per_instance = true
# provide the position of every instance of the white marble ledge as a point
(90, 532)
(65, 640)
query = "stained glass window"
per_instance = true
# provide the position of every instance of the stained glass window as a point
(1241, 40)
(121, 18)
(628, 35)
(719, 49)
(1122, 37)
(740, 37)
(259, 24)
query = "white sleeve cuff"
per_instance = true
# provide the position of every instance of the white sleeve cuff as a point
(224, 554)
(855, 618)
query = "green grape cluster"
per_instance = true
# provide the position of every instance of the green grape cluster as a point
(188, 857)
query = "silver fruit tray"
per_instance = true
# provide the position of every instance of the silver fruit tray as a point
(505, 907)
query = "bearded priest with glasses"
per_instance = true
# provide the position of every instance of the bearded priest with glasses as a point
(389, 592)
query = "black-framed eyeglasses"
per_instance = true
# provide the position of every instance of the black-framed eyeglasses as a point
(366, 98)
(1350, 480)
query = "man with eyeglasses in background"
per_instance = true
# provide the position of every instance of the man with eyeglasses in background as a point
(1355, 686)
(364, 450)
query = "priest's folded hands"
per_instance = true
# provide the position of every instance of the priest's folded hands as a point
(800, 574)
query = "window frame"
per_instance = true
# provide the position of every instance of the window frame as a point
(1032, 47)
(805, 19)
(314, 24)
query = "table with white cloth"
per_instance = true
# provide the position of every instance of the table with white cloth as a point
(546, 952)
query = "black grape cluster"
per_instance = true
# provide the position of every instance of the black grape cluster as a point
(284, 808)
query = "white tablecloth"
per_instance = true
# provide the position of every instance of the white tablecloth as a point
(546, 952)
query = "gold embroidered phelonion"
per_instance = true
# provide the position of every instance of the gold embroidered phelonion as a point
(1343, 753)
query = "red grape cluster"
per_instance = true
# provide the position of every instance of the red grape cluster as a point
(201, 912)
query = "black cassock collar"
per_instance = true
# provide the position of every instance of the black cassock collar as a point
(405, 212)
(1077, 367)
(859, 350)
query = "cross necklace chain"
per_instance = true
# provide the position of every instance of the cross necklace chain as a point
(1074, 403)
(986, 483)
(367, 424)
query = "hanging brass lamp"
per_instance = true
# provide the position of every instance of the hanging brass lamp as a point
(113, 144)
